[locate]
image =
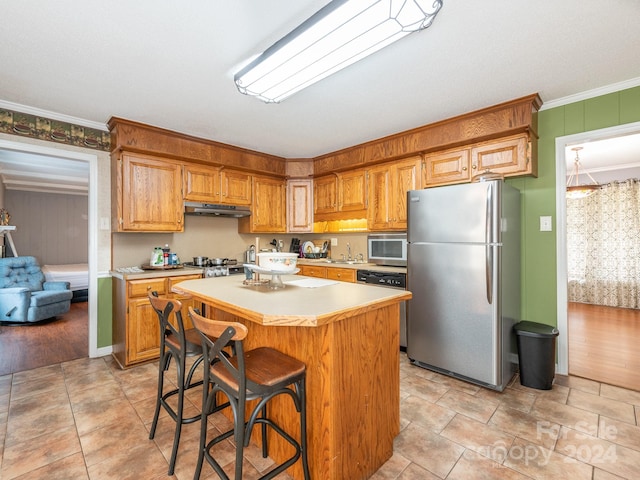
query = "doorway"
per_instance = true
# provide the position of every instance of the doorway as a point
(561, 235)
(92, 159)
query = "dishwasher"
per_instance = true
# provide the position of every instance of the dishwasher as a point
(386, 279)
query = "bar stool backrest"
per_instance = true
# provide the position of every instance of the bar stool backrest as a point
(164, 307)
(216, 336)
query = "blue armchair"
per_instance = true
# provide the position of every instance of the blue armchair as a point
(25, 296)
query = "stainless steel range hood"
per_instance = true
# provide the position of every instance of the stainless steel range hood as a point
(214, 210)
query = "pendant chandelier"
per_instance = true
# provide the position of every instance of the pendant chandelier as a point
(574, 190)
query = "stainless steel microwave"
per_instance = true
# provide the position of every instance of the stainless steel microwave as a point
(387, 249)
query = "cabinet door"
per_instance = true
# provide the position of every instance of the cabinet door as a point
(143, 332)
(325, 194)
(341, 274)
(443, 168)
(352, 190)
(406, 176)
(268, 208)
(151, 195)
(299, 208)
(236, 187)
(380, 189)
(201, 183)
(509, 156)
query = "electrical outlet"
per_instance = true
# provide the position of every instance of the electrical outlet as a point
(545, 224)
(334, 242)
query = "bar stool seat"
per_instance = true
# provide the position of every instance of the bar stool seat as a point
(179, 343)
(260, 374)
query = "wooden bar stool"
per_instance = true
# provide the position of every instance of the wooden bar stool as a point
(260, 374)
(179, 343)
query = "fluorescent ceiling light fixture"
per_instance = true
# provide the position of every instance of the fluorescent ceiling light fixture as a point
(341, 33)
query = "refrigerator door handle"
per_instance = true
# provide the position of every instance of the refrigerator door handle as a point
(488, 239)
(487, 216)
(489, 272)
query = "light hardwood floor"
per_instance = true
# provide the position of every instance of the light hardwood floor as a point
(604, 344)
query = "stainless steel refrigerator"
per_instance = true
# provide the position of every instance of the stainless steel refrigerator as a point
(463, 268)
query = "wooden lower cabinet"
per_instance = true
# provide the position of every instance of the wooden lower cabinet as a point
(333, 273)
(136, 332)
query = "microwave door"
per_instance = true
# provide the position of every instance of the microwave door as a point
(388, 250)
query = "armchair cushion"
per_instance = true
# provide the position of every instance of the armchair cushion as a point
(24, 294)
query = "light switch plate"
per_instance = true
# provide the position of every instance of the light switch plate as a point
(545, 224)
(334, 242)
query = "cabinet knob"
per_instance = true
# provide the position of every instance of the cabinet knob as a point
(464, 169)
(474, 166)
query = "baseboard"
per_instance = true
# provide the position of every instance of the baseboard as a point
(103, 351)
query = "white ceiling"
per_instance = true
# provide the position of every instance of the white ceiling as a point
(170, 64)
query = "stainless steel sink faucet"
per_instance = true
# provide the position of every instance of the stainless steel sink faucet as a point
(349, 252)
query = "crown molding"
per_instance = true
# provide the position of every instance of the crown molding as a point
(596, 92)
(38, 112)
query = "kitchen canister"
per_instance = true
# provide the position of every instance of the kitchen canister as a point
(157, 257)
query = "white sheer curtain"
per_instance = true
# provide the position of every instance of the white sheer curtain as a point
(603, 246)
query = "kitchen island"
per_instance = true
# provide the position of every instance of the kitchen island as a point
(348, 337)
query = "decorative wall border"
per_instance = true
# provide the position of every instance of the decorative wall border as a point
(42, 128)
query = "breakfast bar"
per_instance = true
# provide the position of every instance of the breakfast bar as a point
(348, 336)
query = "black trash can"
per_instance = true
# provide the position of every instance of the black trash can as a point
(536, 354)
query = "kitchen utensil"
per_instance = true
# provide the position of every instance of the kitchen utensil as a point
(200, 261)
(278, 261)
(218, 262)
(250, 254)
(325, 246)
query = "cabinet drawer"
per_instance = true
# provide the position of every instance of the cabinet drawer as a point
(313, 271)
(141, 288)
(342, 274)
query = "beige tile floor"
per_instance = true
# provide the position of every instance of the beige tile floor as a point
(87, 419)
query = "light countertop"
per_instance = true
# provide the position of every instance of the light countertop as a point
(293, 305)
(159, 273)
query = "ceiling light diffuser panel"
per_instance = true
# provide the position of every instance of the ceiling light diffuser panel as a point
(341, 33)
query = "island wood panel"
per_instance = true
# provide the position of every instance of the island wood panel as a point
(352, 417)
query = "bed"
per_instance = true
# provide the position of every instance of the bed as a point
(77, 274)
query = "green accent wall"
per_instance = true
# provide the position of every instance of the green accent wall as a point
(104, 312)
(539, 299)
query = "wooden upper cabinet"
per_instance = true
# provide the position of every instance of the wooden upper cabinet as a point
(268, 209)
(147, 194)
(216, 185)
(510, 156)
(379, 213)
(325, 194)
(352, 190)
(201, 183)
(235, 187)
(388, 187)
(299, 206)
(450, 166)
(340, 195)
